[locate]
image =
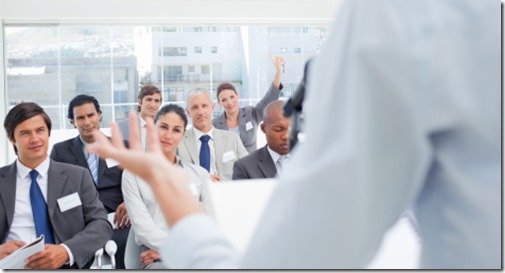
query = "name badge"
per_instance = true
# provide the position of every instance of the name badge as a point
(248, 126)
(229, 156)
(111, 163)
(69, 202)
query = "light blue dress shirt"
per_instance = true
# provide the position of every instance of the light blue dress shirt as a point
(409, 92)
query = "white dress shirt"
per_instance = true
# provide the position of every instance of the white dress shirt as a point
(198, 134)
(143, 132)
(275, 158)
(402, 110)
(23, 225)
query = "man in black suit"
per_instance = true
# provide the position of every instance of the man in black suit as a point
(84, 114)
(266, 162)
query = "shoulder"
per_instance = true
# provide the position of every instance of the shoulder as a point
(8, 168)
(253, 156)
(225, 133)
(66, 167)
(63, 144)
(219, 121)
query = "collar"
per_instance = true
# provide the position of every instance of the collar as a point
(275, 156)
(178, 161)
(42, 168)
(142, 122)
(84, 143)
(199, 133)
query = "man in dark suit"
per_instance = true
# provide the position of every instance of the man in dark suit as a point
(266, 162)
(85, 114)
(40, 196)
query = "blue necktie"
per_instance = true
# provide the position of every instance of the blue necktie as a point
(205, 152)
(39, 210)
(93, 166)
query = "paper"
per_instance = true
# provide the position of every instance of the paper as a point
(228, 156)
(238, 205)
(69, 202)
(248, 126)
(16, 260)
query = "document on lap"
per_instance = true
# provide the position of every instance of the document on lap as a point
(16, 260)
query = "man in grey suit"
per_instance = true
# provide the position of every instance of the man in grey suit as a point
(85, 115)
(223, 147)
(40, 196)
(149, 102)
(267, 161)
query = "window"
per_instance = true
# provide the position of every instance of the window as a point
(111, 62)
(174, 94)
(174, 51)
(205, 69)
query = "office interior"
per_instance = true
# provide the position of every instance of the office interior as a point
(295, 29)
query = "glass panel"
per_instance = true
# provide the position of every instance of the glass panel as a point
(52, 64)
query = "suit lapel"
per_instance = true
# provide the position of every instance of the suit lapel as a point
(222, 121)
(55, 182)
(77, 151)
(266, 163)
(219, 142)
(190, 142)
(241, 123)
(8, 192)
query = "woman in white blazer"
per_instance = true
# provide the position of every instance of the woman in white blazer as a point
(145, 214)
(245, 120)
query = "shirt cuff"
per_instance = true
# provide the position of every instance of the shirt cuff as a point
(70, 256)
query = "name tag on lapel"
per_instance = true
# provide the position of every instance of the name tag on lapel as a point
(69, 202)
(229, 156)
(248, 126)
(111, 163)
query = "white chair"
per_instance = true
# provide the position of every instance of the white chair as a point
(132, 252)
(102, 259)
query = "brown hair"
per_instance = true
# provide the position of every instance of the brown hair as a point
(20, 113)
(148, 90)
(225, 86)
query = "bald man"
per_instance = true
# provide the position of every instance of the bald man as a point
(267, 162)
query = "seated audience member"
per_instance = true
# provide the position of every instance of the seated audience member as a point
(244, 120)
(147, 218)
(84, 114)
(267, 161)
(213, 149)
(40, 196)
(149, 101)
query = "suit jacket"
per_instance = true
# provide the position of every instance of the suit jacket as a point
(84, 229)
(252, 115)
(224, 141)
(109, 179)
(258, 164)
(123, 127)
